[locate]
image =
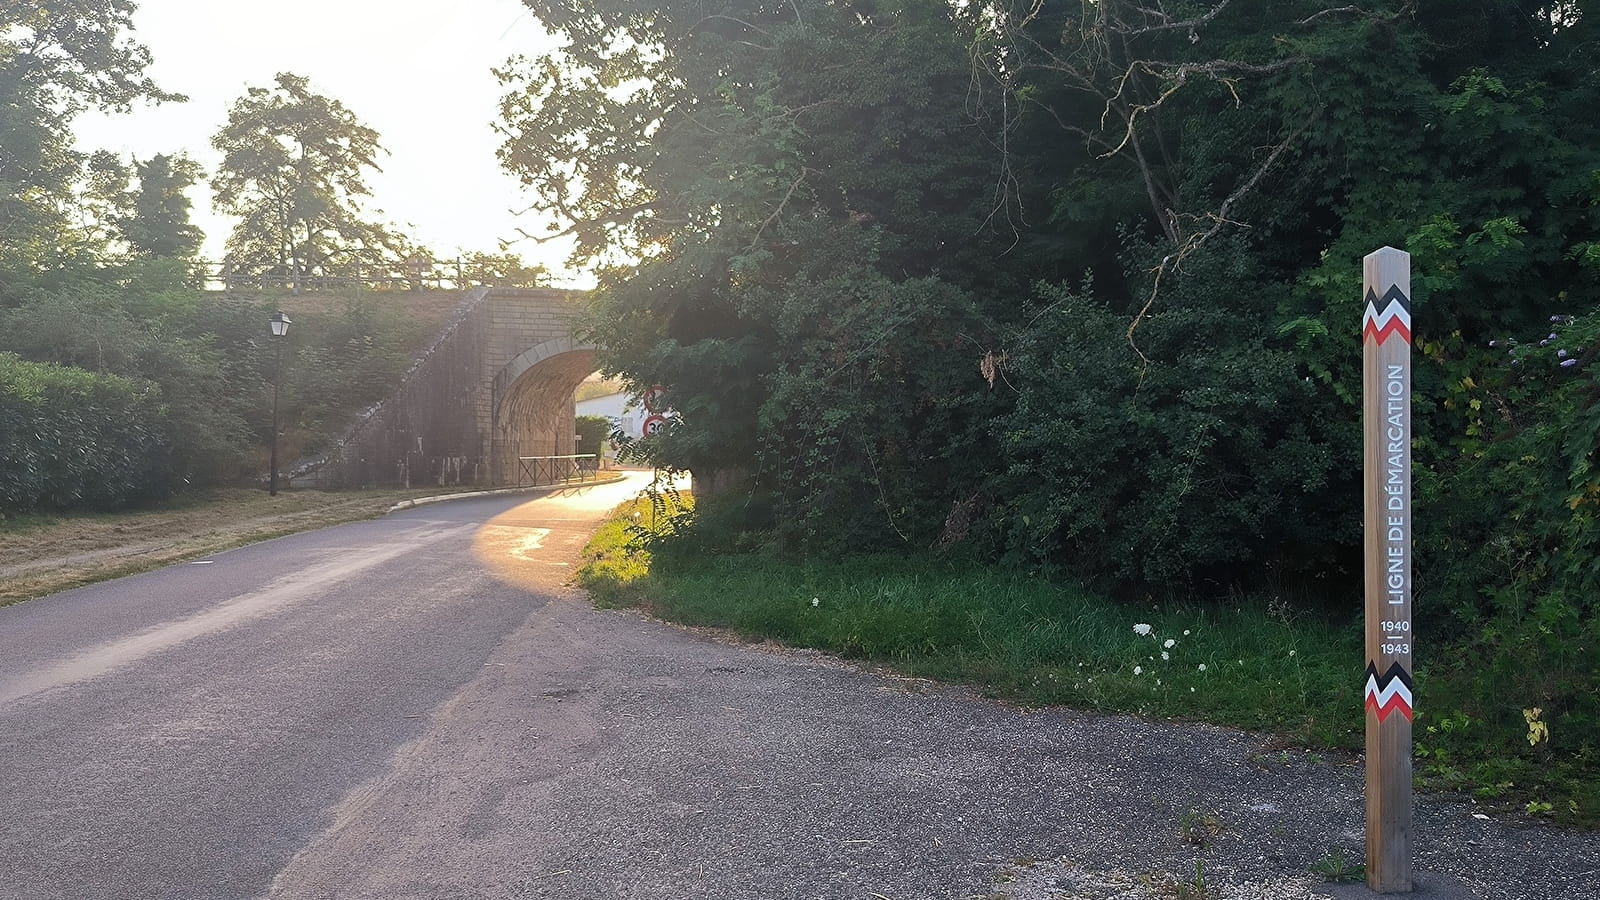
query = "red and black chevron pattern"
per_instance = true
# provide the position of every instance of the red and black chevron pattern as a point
(1387, 317)
(1391, 693)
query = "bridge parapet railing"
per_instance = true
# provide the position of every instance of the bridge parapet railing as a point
(415, 274)
(576, 467)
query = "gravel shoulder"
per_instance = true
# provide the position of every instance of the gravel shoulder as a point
(608, 755)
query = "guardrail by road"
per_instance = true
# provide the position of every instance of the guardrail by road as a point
(576, 467)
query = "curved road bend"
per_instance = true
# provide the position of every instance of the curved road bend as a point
(185, 732)
(414, 707)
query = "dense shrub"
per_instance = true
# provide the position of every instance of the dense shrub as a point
(592, 432)
(142, 321)
(73, 438)
(1182, 456)
(1509, 554)
(211, 359)
(874, 423)
(344, 357)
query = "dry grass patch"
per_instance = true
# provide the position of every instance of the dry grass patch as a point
(42, 554)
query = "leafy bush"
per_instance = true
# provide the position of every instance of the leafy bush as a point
(874, 421)
(142, 322)
(1192, 463)
(73, 438)
(1511, 551)
(592, 432)
(337, 362)
(212, 358)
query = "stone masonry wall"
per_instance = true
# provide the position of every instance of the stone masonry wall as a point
(439, 428)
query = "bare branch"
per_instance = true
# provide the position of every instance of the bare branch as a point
(750, 25)
(1167, 24)
(1174, 261)
(615, 217)
(1007, 186)
(1332, 11)
(1218, 70)
(781, 204)
(756, 28)
(1164, 214)
(883, 495)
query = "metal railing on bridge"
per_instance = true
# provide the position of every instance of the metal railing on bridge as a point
(577, 467)
(431, 274)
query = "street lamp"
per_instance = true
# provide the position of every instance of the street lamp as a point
(280, 327)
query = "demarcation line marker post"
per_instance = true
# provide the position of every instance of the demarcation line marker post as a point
(1386, 430)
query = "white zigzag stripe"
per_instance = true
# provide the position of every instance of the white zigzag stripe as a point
(1396, 688)
(1393, 311)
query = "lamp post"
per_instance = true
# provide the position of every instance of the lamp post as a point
(280, 328)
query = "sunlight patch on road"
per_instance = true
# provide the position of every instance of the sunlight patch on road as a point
(512, 540)
(534, 546)
(516, 554)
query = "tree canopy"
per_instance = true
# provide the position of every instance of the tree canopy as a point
(156, 222)
(56, 60)
(120, 381)
(1075, 285)
(293, 170)
(821, 219)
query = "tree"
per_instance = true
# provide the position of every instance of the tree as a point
(104, 197)
(148, 219)
(57, 58)
(1144, 221)
(155, 220)
(502, 270)
(293, 169)
(816, 212)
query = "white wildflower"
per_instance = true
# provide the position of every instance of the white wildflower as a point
(1138, 670)
(1142, 629)
(1165, 655)
(816, 601)
(1171, 642)
(1186, 632)
(1202, 667)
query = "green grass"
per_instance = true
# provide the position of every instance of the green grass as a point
(1019, 638)
(614, 571)
(1032, 641)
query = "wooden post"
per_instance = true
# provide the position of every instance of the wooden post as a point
(1386, 427)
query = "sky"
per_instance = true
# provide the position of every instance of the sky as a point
(416, 72)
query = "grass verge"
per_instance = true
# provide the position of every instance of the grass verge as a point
(1248, 664)
(1018, 637)
(44, 553)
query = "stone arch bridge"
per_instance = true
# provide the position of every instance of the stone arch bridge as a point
(496, 385)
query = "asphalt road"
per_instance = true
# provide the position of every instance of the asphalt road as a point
(416, 707)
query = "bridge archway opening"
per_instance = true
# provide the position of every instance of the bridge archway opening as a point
(534, 403)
